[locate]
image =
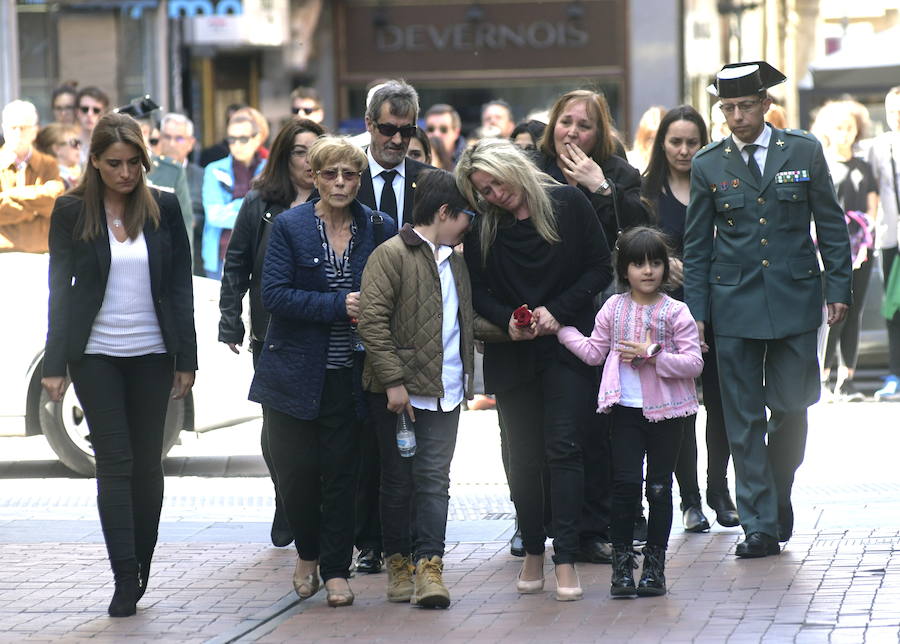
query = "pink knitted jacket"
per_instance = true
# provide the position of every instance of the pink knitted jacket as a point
(667, 382)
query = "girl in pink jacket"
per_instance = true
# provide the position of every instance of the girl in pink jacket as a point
(651, 349)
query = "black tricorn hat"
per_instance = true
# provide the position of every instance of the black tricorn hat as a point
(139, 108)
(745, 79)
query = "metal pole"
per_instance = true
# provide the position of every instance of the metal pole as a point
(9, 52)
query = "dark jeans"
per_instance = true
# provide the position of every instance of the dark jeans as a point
(888, 255)
(417, 486)
(316, 467)
(543, 420)
(368, 517)
(717, 450)
(125, 401)
(632, 437)
(256, 349)
(847, 330)
(596, 509)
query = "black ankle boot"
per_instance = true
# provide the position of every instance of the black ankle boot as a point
(692, 517)
(143, 577)
(622, 572)
(653, 579)
(125, 597)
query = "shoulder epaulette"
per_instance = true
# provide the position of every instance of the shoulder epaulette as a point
(710, 146)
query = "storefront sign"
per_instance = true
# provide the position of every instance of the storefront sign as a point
(409, 37)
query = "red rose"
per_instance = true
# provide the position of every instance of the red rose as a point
(522, 316)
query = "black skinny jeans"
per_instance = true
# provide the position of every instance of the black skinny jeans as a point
(543, 420)
(632, 437)
(316, 467)
(847, 330)
(256, 351)
(717, 450)
(417, 488)
(125, 402)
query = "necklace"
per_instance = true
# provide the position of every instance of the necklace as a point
(117, 222)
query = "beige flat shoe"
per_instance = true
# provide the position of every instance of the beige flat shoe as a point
(305, 585)
(342, 597)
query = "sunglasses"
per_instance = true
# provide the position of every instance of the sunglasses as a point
(472, 214)
(330, 174)
(305, 110)
(75, 143)
(389, 130)
(443, 129)
(85, 109)
(243, 140)
(153, 141)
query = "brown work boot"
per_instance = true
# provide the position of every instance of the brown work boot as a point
(400, 581)
(430, 591)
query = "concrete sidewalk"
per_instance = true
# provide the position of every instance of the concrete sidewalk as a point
(828, 586)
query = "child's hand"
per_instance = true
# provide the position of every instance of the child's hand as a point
(630, 350)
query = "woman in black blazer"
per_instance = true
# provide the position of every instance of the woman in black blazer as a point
(121, 320)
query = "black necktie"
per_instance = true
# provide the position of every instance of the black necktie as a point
(751, 162)
(388, 198)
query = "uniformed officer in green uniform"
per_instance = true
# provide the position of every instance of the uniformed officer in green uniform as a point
(165, 174)
(751, 271)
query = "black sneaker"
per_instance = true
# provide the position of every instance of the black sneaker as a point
(849, 393)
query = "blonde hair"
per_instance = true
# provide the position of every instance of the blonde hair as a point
(140, 204)
(776, 116)
(507, 164)
(330, 150)
(645, 133)
(828, 118)
(598, 110)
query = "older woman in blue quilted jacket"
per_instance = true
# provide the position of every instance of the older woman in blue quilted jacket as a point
(309, 375)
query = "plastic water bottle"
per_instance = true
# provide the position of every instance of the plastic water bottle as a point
(406, 435)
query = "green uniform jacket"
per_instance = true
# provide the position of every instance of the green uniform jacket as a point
(169, 176)
(750, 264)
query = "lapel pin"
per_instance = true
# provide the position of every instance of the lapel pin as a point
(723, 186)
(728, 150)
(735, 183)
(779, 143)
(731, 222)
(713, 187)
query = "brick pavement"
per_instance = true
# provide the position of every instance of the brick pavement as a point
(829, 586)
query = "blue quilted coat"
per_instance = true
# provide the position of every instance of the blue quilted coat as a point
(290, 374)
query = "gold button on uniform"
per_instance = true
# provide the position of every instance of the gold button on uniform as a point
(765, 262)
(760, 200)
(762, 220)
(727, 206)
(764, 241)
(794, 196)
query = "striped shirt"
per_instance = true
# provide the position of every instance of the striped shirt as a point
(337, 270)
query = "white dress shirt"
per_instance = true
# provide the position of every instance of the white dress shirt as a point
(452, 377)
(398, 185)
(761, 152)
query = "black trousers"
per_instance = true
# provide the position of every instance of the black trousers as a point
(847, 330)
(415, 489)
(125, 401)
(256, 350)
(543, 420)
(888, 255)
(316, 467)
(717, 450)
(596, 509)
(368, 515)
(632, 437)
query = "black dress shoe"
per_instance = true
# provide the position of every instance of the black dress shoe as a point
(723, 506)
(594, 551)
(369, 561)
(281, 533)
(785, 521)
(516, 547)
(757, 544)
(692, 514)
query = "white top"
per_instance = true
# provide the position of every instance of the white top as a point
(761, 152)
(127, 325)
(630, 382)
(398, 185)
(887, 234)
(452, 376)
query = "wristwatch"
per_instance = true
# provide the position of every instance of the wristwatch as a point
(603, 187)
(652, 350)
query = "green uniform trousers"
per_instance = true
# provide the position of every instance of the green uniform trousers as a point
(781, 375)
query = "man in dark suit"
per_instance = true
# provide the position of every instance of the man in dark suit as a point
(751, 269)
(386, 185)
